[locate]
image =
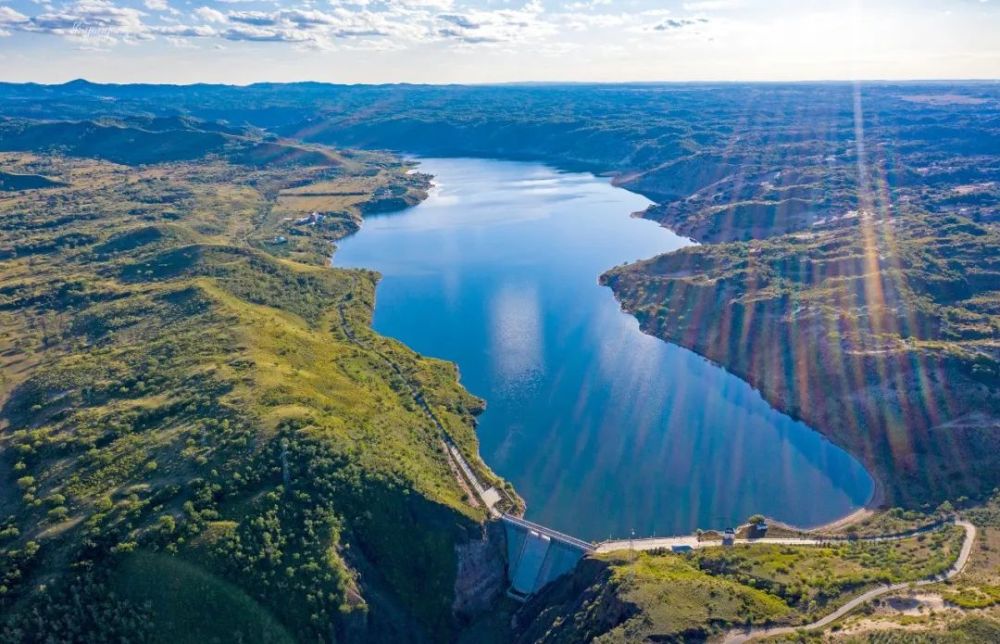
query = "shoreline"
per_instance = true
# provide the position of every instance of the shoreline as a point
(872, 507)
(878, 497)
(875, 499)
(465, 473)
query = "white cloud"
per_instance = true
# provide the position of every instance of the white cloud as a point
(10, 17)
(90, 23)
(369, 23)
(209, 15)
(637, 38)
(185, 31)
(260, 34)
(585, 6)
(305, 26)
(478, 26)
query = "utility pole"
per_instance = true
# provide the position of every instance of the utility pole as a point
(631, 547)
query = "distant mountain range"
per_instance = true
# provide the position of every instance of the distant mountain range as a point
(201, 437)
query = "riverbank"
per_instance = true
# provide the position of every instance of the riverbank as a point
(197, 393)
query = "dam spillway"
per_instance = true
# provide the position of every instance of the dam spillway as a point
(537, 555)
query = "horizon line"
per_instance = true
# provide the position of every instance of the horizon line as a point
(523, 83)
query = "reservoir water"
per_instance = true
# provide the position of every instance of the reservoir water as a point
(601, 428)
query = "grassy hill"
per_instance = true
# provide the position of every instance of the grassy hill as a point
(135, 140)
(188, 391)
(199, 433)
(657, 597)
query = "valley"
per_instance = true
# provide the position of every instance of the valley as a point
(191, 392)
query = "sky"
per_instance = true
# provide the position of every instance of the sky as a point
(490, 41)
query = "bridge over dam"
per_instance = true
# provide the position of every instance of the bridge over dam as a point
(537, 555)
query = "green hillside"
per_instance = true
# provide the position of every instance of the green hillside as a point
(892, 353)
(664, 597)
(134, 140)
(201, 438)
(198, 422)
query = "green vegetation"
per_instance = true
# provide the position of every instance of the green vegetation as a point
(968, 630)
(187, 391)
(189, 605)
(891, 521)
(152, 140)
(655, 597)
(862, 270)
(971, 630)
(814, 579)
(979, 585)
(194, 426)
(970, 600)
(875, 333)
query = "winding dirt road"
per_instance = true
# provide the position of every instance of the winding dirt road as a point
(738, 636)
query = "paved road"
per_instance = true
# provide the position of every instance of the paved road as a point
(692, 542)
(656, 543)
(738, 636)
(549, 532)
(488, 496)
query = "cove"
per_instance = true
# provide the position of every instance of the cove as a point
(600, 427)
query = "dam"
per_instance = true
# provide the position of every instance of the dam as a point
(537, 555)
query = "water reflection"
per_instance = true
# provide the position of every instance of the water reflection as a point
(601, 428)
(516, 337)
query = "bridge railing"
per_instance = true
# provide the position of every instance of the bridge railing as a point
(586, 546)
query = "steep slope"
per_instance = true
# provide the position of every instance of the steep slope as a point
(189, 400)
(667, 597)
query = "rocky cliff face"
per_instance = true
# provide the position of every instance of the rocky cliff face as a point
(577, 608)
(482, 575)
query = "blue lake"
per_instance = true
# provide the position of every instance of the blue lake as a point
(601, 428)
